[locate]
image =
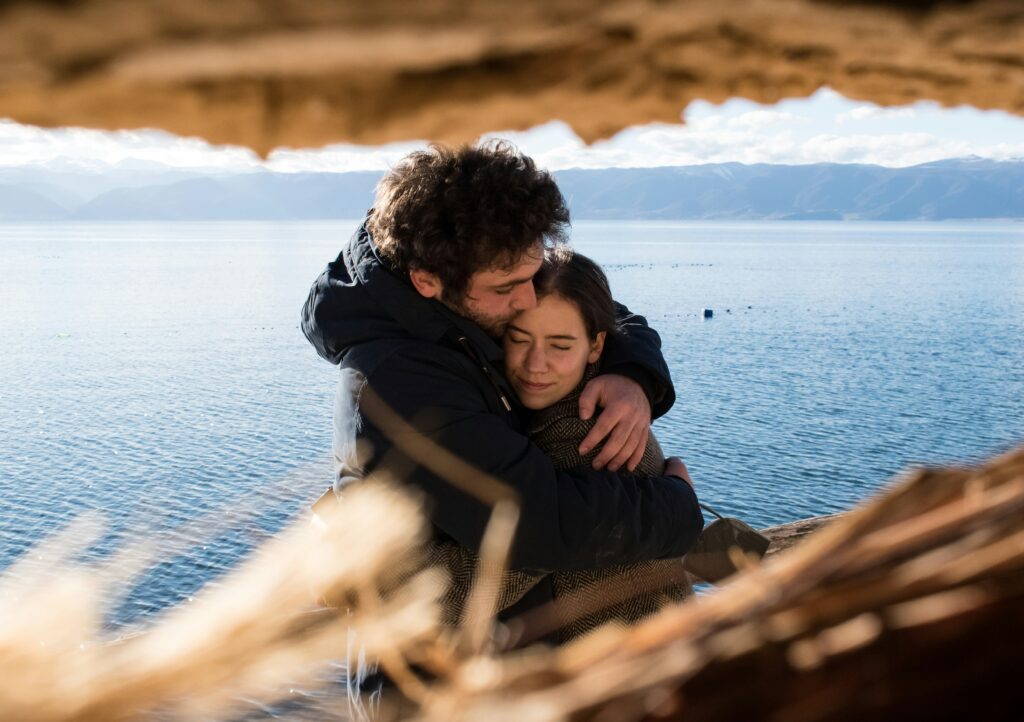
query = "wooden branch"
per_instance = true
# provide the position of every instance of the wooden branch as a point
(786, 535)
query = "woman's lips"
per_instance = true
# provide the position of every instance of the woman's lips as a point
(534, 387)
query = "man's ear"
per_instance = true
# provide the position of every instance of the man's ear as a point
(596, 348)
(426, 283)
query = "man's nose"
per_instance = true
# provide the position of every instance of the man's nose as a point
(524, 297)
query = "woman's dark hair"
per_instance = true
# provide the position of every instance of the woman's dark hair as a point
(580, 281)
(456, 211)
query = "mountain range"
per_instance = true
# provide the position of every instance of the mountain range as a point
(965, 188)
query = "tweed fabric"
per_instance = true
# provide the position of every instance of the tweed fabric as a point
(588, 598)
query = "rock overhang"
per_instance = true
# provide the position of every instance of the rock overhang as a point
(274, 73)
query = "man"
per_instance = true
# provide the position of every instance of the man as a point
(410, 311)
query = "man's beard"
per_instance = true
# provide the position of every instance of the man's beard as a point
(494, 326)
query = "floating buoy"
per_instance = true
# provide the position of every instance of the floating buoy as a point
(707, 312)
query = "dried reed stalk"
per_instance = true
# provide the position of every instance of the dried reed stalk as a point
(909, 607)
(242, 638)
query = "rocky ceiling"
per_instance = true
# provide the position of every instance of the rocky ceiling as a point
(268, 73)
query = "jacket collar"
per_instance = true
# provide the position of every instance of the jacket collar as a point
(421, 317)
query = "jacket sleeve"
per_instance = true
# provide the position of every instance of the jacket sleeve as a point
(636, 352)
(579, 519)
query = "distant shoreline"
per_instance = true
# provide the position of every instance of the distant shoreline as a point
(969, 189)
(739, 222)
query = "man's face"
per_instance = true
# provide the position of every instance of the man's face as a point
(493, 297)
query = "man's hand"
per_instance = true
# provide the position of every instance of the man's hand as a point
(674, 466)
(625, 420)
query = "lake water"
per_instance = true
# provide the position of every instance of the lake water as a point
(157, 373)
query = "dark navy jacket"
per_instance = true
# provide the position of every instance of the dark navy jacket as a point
(442, 373)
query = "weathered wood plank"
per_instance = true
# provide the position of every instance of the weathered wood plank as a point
(786, 535)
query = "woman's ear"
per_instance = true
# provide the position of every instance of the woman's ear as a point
(596, 347)
(426, 283)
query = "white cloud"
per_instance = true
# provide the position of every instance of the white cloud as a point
(20, 144)
(656, 145)
(338, 158)
(900, 149)
(874, 112)
(706, 122)
(825, 127)
(757, 119)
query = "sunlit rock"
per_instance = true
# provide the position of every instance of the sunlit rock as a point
(306, 74)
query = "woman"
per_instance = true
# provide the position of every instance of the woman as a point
(551, 351)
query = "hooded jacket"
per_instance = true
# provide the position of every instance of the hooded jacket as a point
(441, 374)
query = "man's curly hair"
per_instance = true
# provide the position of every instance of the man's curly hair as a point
(456, 211)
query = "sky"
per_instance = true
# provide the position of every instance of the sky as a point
(823, 128)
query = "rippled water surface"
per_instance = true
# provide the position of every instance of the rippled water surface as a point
(156, 372)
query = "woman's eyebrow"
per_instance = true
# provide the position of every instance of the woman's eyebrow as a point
(562, 336)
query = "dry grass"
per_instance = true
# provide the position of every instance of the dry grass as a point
(889, 611)
(910, 607)
(248, 637)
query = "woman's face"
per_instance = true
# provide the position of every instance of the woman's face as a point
(547, 350)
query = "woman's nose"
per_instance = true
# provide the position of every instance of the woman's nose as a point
(535, 361)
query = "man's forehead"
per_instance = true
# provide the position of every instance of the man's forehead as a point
(530, 260)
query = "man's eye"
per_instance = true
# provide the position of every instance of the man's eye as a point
(561, 348)
(503, 291)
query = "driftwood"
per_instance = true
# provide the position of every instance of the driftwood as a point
(787, 535)
(909, 607)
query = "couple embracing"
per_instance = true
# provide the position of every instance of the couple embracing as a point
(458, 304)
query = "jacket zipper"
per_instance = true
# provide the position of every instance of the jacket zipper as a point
(464, 342)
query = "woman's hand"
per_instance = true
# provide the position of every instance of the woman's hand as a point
(625, 420)
(674, 466)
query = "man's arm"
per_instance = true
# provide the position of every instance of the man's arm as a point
(635, 386)
(635, 353)
(579, 519)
